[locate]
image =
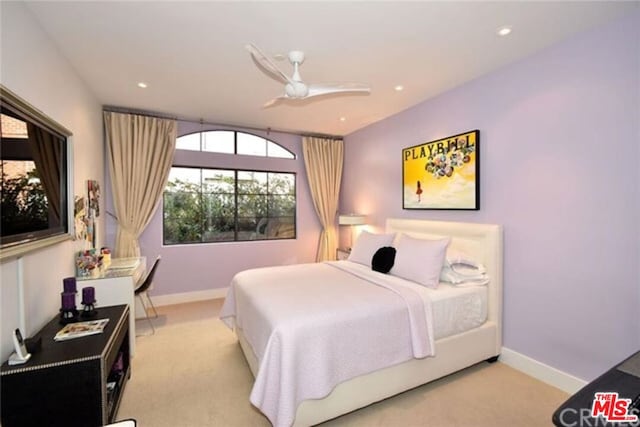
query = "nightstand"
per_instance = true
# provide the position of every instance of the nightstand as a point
(342, 253)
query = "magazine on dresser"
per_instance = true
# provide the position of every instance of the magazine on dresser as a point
(81, 329)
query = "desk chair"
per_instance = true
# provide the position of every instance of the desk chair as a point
(141, 292)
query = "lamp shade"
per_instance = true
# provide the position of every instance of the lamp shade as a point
(351, 219)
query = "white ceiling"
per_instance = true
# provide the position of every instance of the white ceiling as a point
(192, 54)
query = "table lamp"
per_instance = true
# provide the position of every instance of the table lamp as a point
(351, 220)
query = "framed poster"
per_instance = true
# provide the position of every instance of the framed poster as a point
(442, 174)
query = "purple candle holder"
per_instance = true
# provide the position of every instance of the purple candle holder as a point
(88, 301)
(69, 284)
(68, 312)
(68, 300)
(88, 295)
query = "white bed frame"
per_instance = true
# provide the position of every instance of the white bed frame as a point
(481, 241)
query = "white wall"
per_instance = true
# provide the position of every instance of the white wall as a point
(32, 67)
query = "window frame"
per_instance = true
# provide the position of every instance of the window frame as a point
(224, 161)
(235, 196)
(235, 144)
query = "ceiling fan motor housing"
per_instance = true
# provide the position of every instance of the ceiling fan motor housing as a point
(296, 90)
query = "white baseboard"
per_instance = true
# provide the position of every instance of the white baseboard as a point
(545, 373)
(170, 299)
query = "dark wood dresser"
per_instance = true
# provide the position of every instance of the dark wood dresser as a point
(78, 382)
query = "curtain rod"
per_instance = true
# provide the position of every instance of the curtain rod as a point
(124, 110)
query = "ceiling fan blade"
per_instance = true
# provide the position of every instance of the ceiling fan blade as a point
(266, 63)
(329, 88)
(274, 101)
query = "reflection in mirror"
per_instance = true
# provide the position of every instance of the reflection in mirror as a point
(33, 187)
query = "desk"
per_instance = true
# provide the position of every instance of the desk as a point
(576, 411)
(115, 285)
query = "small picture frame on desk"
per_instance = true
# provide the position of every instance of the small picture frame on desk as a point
(342, 254)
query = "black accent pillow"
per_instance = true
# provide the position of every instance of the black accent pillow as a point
(383, 259)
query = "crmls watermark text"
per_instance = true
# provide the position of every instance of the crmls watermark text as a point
(570, 417)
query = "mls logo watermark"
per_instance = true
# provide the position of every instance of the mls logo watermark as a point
(607, 409)
(612, 408)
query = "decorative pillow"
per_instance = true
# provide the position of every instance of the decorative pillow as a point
(420, 260)
(367, 245)
(382, 260)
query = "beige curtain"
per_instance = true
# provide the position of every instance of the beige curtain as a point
(47, 155)
(140, 152)
(323, 160)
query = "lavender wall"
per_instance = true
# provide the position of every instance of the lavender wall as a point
(560, 142)
(204, 267)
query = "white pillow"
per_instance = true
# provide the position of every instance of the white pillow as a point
(456, 257)
(366, 246)
(455, 277)
(461, 269)
(420, 260)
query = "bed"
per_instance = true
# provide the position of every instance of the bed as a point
(443, 349)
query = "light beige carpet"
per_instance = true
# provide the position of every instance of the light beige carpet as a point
(192, 373)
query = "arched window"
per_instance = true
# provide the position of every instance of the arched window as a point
(205, 205)
(232, 142)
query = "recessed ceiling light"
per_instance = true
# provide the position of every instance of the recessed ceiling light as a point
(399, 88)
(142, 85)
(279, 57)
(504, 31)
(343, 119)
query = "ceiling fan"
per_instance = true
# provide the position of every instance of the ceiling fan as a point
(295, 88)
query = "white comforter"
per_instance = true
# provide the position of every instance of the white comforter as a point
(312, 326)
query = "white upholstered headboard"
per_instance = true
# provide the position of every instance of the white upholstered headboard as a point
(483, 242)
